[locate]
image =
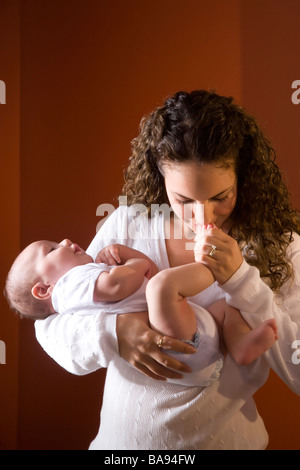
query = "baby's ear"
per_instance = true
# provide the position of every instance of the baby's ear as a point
(41, 291)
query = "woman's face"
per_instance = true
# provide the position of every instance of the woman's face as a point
(201, 194)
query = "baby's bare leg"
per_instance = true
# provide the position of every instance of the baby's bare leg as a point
(169, 311)
(246, 345)
(243, 344)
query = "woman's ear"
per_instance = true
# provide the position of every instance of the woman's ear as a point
(41, 291)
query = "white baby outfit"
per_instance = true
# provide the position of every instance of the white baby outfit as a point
(73, 294)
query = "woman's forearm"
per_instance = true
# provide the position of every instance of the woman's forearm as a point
(257, 303)
(80, 344)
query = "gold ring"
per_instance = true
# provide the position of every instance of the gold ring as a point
(212, 251)
(160, 342)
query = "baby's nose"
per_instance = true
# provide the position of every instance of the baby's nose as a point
(66, 242)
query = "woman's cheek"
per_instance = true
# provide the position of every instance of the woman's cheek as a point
(227, 207)
(178, 209)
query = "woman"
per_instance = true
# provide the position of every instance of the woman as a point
(206, 157)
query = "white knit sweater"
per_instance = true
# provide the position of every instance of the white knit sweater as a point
(141, 413)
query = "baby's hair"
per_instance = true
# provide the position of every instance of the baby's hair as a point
(19, 297)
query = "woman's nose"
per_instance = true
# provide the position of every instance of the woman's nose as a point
(203, 214)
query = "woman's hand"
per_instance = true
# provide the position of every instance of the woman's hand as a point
(225, 260)
(138, 346)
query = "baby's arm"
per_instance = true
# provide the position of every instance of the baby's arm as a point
(121, 281)
(117, 254)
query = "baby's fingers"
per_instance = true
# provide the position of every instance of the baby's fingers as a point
(113, 256)
(101, 258)
(109, 256)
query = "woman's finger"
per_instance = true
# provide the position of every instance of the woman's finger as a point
(169, 362)
(146, 371)
(161, 366)
(156, 370)
(156, 358)
(142, 348)
(171, 344)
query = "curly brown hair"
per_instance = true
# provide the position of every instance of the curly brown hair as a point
(205, 127)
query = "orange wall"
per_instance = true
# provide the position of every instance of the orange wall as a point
(270, 63)
(90, 70)
(9, 210)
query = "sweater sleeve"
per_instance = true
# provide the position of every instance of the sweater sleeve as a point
(83, 343)
(247, 292)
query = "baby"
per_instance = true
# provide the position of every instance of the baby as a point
(49, 277)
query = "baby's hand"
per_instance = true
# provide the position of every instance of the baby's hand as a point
(109, 255)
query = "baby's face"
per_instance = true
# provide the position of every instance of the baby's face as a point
(52, 260)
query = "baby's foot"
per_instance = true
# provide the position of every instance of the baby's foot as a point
(256, 343)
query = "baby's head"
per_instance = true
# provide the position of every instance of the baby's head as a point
(35, 272)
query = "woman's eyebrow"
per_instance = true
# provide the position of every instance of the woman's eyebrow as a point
(213, 197)
(222, 192)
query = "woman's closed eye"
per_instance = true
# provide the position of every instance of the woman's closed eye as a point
(185, 201)
(190, 201)
(220, 199)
